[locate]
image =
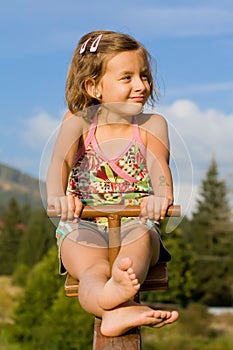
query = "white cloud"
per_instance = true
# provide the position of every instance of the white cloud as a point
(37, 137)
(38, 129)
(206, 133)
(200, 134)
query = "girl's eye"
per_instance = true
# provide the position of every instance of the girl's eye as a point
(144, 76)
(126, 77)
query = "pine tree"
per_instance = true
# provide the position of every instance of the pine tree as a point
(182, 281)
(38, 237)
(10, 236)
(210, 234)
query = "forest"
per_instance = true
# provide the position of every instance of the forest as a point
(35, 314)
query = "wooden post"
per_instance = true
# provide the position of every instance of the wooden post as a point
(114, 236)
(128, 341)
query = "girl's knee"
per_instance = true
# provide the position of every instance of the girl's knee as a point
(139, 232)
(99, 269)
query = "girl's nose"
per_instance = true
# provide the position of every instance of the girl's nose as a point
(139, 84)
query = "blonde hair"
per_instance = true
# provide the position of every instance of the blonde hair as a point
(93, 64)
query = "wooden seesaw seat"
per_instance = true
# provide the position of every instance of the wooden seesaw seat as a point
(157, 278)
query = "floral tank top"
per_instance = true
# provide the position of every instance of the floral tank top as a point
(96, 180)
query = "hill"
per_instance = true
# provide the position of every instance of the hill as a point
(22, 187)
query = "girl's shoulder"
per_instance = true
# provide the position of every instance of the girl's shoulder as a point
(152, 122)
(153, 129)
(75, 122)
(74, 117)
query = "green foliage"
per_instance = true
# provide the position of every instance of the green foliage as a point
(38, 237)
(45, 318)
(10, 235)
(20, 274)
(41, 288)
(67, 325)
(25, 237)
(180, 270)
(5, 345)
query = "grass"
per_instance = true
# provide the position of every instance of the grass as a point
(8, 300)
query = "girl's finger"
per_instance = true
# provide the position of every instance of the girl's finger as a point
(71, 207)
(143, 207)
(57, 206)
(64, 208)
(164, 208)
(78, 207)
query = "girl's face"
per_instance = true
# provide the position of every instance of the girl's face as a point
(125, 80)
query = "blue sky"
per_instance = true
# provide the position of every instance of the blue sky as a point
(192, 42)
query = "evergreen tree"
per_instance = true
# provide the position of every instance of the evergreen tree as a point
(210, 234)
(10, 235)
(180, 271)
(38, 237)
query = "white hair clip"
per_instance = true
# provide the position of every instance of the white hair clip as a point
(84, 45)
(95, 44)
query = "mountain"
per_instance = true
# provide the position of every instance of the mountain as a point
(22, 187)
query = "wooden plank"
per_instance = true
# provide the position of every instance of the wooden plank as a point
(157, 279)
(128, 341)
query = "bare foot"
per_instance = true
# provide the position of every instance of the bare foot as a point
(120, 320)
(122, 286)
(171, 317)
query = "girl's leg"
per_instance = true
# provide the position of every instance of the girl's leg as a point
(142, 247)
(90, 265)
(139, 251)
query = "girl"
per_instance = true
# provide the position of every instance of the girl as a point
(109, 152)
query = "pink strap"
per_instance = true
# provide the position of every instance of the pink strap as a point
(88, 139)
(137, 136)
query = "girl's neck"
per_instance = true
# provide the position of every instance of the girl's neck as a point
(107, 116)
(112, 125)
(117, 113)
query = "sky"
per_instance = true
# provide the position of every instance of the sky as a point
(191, 41)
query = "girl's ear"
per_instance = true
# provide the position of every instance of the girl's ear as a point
(92, 89)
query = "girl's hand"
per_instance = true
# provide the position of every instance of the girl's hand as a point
(67, 207)
(154, 207)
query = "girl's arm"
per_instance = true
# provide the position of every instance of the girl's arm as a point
(61, 164)
(157, 145)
